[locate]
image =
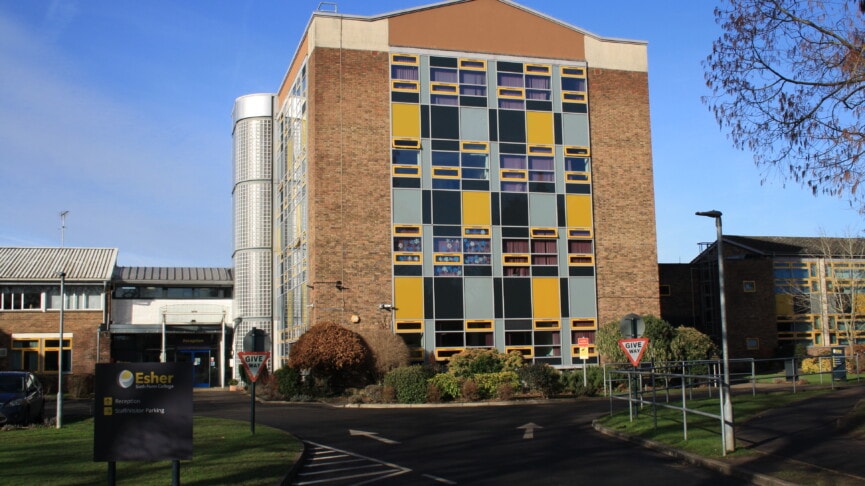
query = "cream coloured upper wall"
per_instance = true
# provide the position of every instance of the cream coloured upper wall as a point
(336, 32)
(619, 55)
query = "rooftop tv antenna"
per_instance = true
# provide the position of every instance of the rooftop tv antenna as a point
(62, 226)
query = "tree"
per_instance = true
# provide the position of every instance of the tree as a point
(329, 350)
(689, 344)
(787, 79)
(666, 343)
(844, 262)
(389, 351)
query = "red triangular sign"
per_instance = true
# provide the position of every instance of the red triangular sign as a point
(253, 362)
(634, 349)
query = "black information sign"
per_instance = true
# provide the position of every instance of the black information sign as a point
(143, 412)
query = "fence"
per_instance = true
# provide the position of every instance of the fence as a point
(644, 384)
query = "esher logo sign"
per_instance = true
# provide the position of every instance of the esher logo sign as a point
(143, 412)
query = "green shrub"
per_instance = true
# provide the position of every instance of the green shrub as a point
(288, 382)
(816, 365)
(473, 361)
(572, 381)
(541, 378)
(409, 383)
(488, 383)
(447, 384)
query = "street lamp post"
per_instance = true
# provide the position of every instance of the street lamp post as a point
(727, 407)
(59, 418)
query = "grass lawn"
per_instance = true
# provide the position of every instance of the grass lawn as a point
(704, 433)
(224, 452)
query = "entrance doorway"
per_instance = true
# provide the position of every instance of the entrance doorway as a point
(200, 359)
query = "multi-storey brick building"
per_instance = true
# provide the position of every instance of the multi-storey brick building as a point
(472, 173)
(780, 292)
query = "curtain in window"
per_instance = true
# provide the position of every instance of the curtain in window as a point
(473, 90)
(513, 186)
(506, 104)
(538, 82)
(408, 73)
(510, 80)
(515, 246)
(509, 161)
(473, 77)
(579, 246)
(443, 75)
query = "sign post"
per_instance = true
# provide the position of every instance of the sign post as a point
(143, 412)
(583, 343)
(253, 362)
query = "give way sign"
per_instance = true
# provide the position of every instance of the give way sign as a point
(253, 362)
(634, 349)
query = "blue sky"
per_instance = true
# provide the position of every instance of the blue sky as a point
(119, 111)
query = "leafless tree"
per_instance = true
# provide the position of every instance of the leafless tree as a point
(787, 79)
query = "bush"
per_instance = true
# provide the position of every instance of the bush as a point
(473, 361)
(389, 350)
(469, 390)
(288, 382)
(433, 394)
(816, 365)
(572, 381)
(505, 391)
(541, 378)
(447, 384)
(488, 383)
(332, 353)
(409, 383)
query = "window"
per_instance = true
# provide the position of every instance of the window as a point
(407, 245)
(515, 257)
(573, 85)
(580, 247)
(511, 86)
(444, 86)
(577, 167)
(749, 286)
(474, 160)
(537, 82)
(20, 298)
(476, 246)
(446, 170)
(39, 353)
(752, 343)
(404, 72)
(513, 174)
(472, 77)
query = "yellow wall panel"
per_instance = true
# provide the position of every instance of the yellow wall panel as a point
(783, 304)
(476, 208)
(579, 210)
(406, 120)
(545, 297)
(539, 128)
(408, 297)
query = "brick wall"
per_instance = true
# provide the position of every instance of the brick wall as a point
(83, 326)
(349, 183)
(624, 197)
(680, 306)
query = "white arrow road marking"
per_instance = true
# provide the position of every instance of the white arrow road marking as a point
(371, 435)
(529, 430)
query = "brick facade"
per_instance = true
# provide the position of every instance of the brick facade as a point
(82, 325)
(624, 198)
(349, 182)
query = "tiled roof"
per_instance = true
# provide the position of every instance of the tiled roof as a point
(799, 246)
(802, 246)
(174, 275)
(45, 264)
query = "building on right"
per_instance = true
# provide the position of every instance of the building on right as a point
(781, 292)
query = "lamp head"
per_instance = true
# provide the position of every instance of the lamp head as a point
(709, 214)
